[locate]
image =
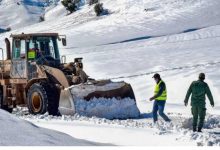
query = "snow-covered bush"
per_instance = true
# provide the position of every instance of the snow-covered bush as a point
(99, 9)
(71, 5)
(42, 18)
(91, 2)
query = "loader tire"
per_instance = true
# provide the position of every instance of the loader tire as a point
(43, 97)
(2, 106)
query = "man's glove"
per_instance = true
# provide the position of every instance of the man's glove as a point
(151, 99)
(213, 105)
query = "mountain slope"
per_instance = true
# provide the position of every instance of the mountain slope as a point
(130, 20)
(20, 13)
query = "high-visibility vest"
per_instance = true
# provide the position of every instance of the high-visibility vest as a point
(163, 96)
(31, 54)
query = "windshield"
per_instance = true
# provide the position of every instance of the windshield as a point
(43, 47)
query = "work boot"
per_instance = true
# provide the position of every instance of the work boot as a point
(194, 129)
(199, 129)
(156, 124)
(168, 120)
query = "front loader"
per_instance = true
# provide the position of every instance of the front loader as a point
(34, 75)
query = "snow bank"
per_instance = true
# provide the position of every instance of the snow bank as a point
(17, 132)
(108, 108)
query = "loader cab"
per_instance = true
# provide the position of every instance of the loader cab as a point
(43, 50)
(31, 49)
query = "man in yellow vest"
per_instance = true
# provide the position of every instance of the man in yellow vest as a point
(160, 97)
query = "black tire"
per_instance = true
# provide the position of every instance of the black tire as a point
(2, 106)
(43, 97)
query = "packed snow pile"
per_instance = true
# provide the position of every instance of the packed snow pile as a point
(17, 132)
(108, 108)
(100, 106)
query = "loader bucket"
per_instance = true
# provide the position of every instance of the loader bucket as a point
(104, 99)
(66, 104)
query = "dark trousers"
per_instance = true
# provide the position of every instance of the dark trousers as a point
(198, 112)
(159, 106)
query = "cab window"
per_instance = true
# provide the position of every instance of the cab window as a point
(42, 47)
(18, 49)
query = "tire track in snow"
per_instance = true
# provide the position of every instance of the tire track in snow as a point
(168, 69)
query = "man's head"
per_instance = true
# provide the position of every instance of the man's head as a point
(202, 76)
(157, 77)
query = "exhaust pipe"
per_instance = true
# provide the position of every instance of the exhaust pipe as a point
(8, 48)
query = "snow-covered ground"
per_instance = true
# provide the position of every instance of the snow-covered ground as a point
(177, 38)
(132, 132)
(17, 132)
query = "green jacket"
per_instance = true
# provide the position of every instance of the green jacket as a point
(199, 89)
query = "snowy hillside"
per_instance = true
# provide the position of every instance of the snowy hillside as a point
(183, 34)
(131, 19)
(177, 38)
(15, 14)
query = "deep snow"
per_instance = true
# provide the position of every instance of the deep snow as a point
(177, 38)
(17, 132)
(132, 132)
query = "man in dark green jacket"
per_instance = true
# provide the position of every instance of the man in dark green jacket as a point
(199, 89)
